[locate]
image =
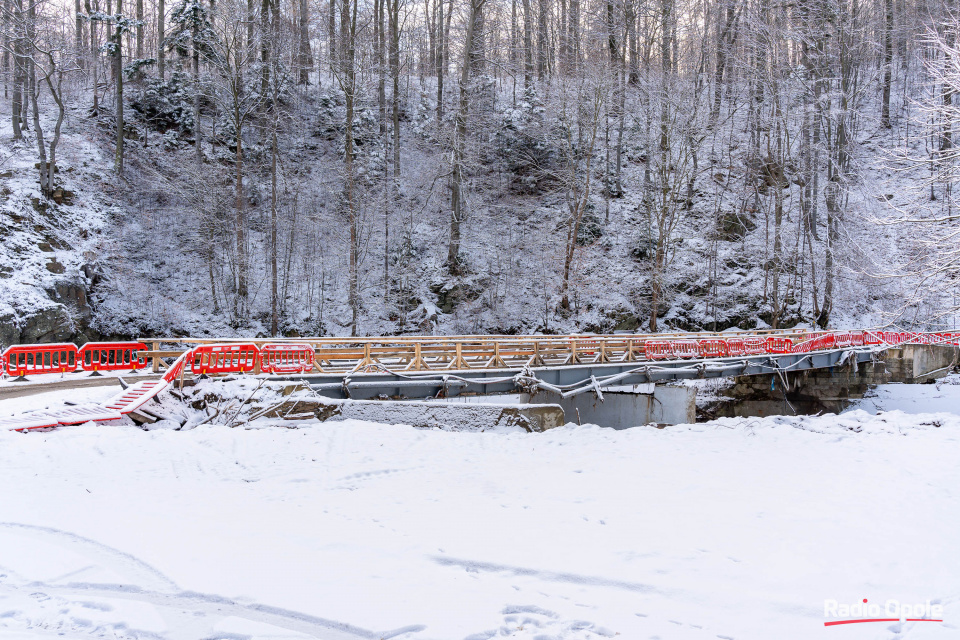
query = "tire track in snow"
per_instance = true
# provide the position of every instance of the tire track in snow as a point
(157, 589)
(111, 558)
(553, 576)
(218, 606)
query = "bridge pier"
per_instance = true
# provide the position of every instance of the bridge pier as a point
(833, 389)
(628, 406)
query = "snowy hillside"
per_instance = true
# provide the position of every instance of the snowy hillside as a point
(141, 237)
(51, 249)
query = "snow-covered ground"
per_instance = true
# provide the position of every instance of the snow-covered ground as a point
(944, 395)
(738, 528)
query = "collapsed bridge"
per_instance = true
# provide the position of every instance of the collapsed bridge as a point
(440, 366)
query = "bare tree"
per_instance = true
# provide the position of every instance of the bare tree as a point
(581, 117)
(120, 25)
(457, 200)
(228, 53)
(348, 83)
(193, 35)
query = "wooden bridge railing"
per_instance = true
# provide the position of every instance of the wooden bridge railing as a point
(439, 353)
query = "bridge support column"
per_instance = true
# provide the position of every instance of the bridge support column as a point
(625, 407)
(832, 389)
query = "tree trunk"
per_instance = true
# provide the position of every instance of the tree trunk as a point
(266, 8)
(579, 158)
(197, 130)
(7, 15)
(527, 45)
(459, 144)
(478, 48)
(542, 39)
(441, 61)
(514, 37)
(240, 221)
(139, 29)
(332, 45)
(573, 35)
(349, 86)
(887, 62)
(394, 9)
(344, 33)
(304, 54)
(94, 64)
(379, 41)
(666, 70)
(78, 35)
(19, 73)
(564, 61)
(46, 168)
(630, 15)
(274, 319)
(161, 49)
(118, 73)
(724, 30)
(430, 22)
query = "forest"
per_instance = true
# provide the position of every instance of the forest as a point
(348, 167)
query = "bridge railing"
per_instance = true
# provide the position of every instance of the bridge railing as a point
(348, 355)
(438, 353)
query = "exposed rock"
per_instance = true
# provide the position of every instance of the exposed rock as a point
(63, 196)
(54, 266)
(9, 334)
(732, 226)
(50, 325)
(452, 294)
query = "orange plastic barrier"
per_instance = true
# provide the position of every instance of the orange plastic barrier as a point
(803, 347)
(712, 348)
(657, 349)
(177, 368)
(779, 345)
(224, 358)
(735, 346)
(286, 358)
(112, 356)
(27, 359)
(754, 346)
(685, 348)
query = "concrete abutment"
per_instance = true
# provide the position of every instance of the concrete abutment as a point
(832, 389)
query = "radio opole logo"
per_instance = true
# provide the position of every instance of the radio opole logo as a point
(890, 611)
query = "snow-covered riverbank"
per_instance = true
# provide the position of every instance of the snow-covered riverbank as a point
(730, 529)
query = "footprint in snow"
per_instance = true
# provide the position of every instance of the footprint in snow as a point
(530, 622)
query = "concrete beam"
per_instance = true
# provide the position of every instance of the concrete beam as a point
(624, 409)
(453, 416)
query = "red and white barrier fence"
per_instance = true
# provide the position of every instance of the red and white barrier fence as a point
(286, 358)
(112, 356)
(224, 358)
(28, 359)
